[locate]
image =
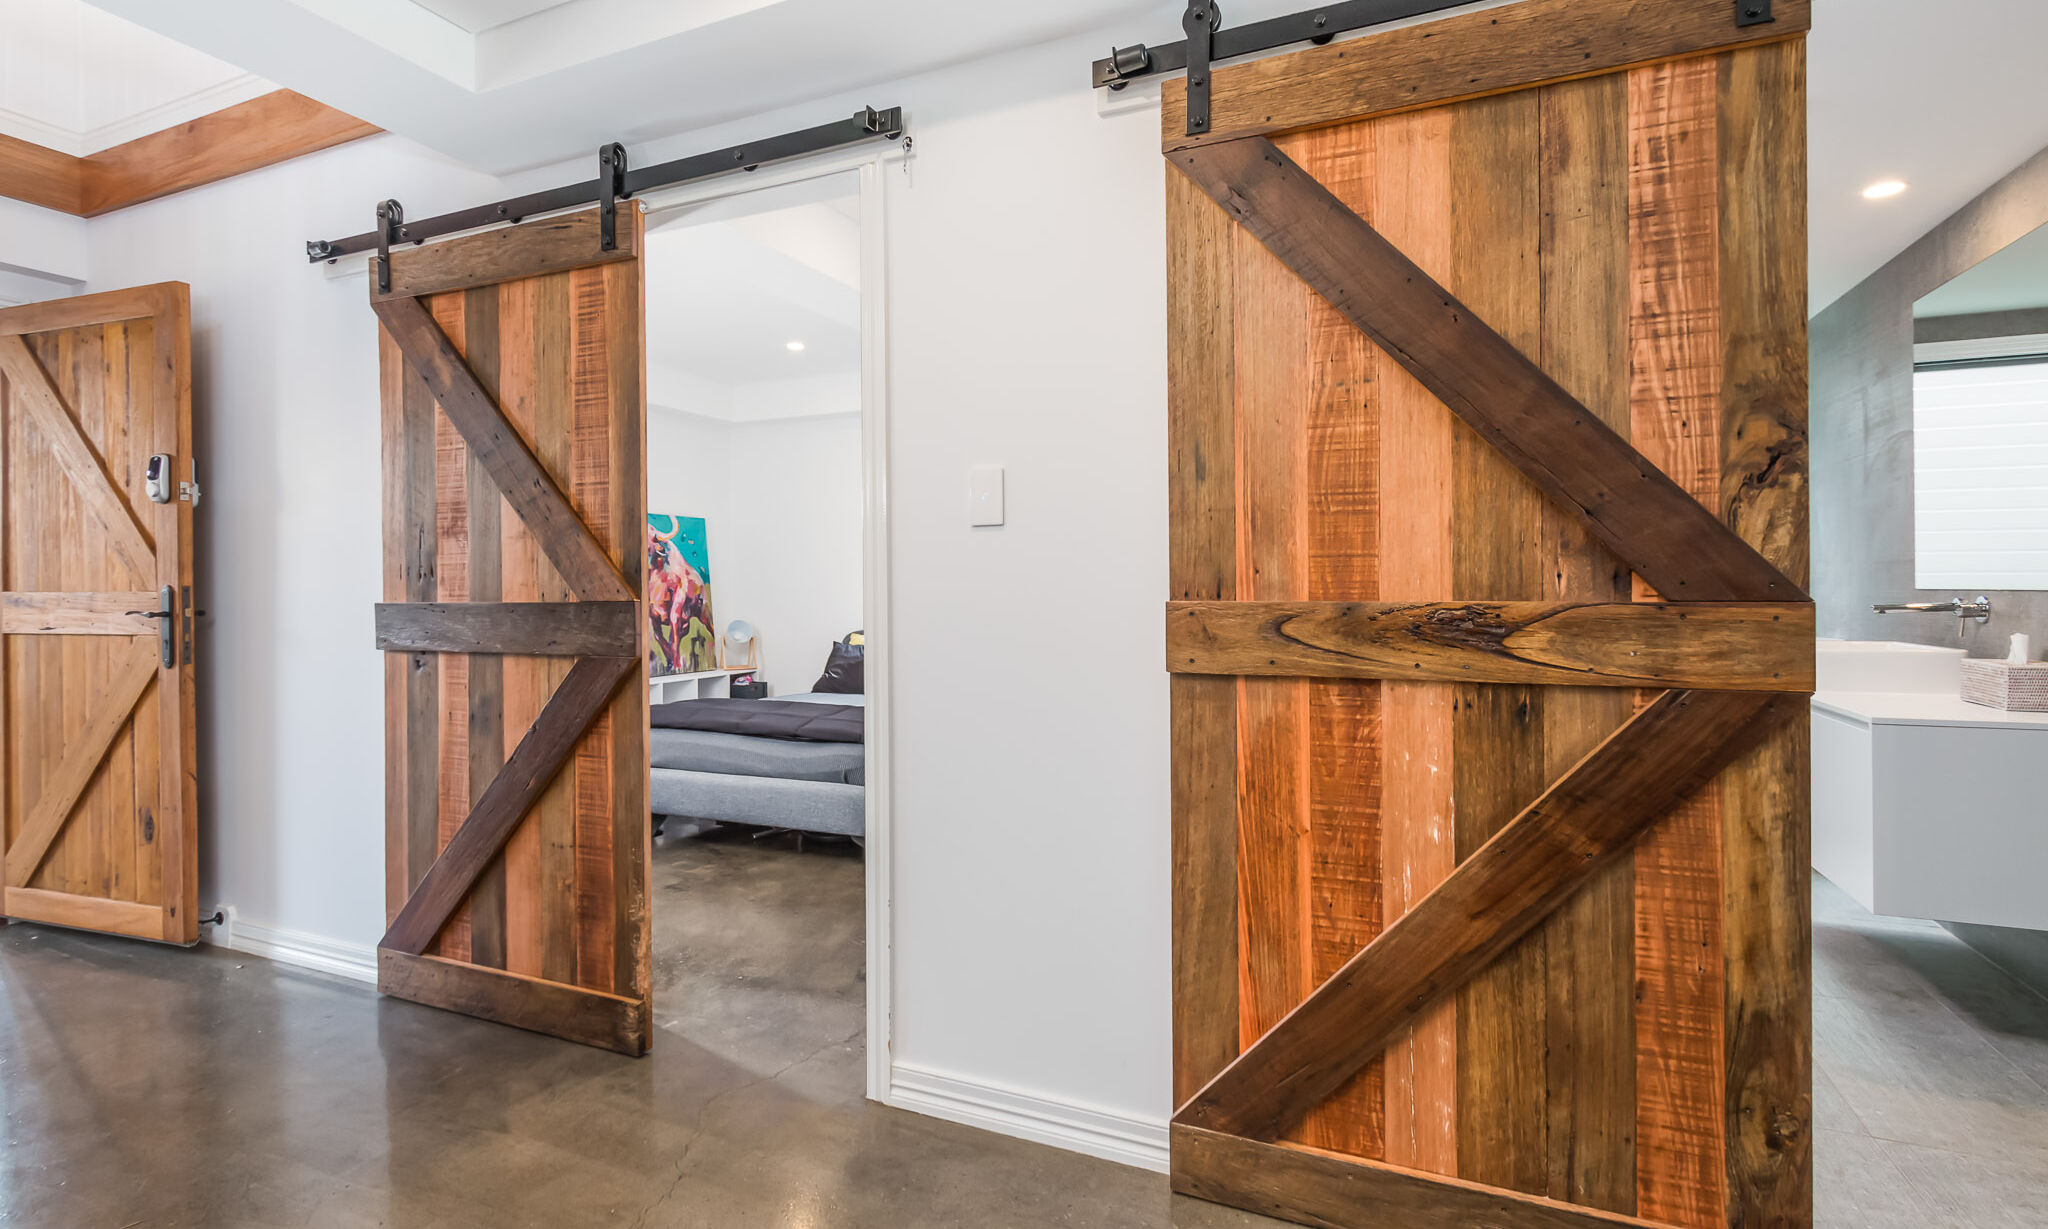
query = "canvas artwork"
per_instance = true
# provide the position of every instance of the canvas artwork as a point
(679, 597)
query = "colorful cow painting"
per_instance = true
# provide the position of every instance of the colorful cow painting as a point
(679, 597)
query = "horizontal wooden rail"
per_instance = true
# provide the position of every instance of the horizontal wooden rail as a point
(77, 614)
(590, 1017)
(1721, 646)
(517, 629)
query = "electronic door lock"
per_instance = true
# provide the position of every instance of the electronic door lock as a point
(156, 478)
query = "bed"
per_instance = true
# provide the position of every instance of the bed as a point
(812, 782)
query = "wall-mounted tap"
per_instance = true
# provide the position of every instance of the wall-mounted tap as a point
(1979, 610)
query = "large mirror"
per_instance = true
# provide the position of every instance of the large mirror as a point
(1980, 425)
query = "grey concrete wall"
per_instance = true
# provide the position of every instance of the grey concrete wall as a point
(1862, 428)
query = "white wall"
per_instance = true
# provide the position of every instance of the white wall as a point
(1027, 328)
(284, 359)
(781, 503)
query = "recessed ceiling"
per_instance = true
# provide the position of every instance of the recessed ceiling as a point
(77, 80)
(476, 16)
(729, 290)
(2012, 280)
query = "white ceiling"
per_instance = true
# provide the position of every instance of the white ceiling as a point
(78, 80)
(1947, 96)
(731, 285)
(476, 16)
(2012, 280)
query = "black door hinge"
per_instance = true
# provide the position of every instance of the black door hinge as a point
(1201, 22)
(611, 172)
(1753, 12)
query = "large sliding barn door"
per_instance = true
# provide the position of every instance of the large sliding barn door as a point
(1489, 532)
(517, 831)
(100, 823)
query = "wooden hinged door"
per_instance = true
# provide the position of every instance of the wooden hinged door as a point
(517, 832)
(97, 695)
(1489, 532)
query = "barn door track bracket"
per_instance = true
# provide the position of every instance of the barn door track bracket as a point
(616, 181)
(1207, 42)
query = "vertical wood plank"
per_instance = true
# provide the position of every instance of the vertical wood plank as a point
(590, 492)
(393, 455)
(451, 523)
(1343, 715)
(1502, 1013)
(485, 740)
(1412, 197)
(1675, 361)
(416, 497)
(1202, 564)
(1273, 757)
(526, 680)
(1765, 903)
(632, 827)
(1590, 942)
(553, 418)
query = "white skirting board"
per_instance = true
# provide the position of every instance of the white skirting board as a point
(1061, 1124)
(354, 961)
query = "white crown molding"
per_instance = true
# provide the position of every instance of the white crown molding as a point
(168, 114)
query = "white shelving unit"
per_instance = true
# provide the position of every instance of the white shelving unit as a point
(708, 685)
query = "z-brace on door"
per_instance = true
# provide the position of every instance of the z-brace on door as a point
(517, 833)
(98, 700)
(1488, 396)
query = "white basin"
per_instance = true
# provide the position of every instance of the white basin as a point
(1889, 665)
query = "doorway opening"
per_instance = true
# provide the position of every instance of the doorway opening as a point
(762, 600)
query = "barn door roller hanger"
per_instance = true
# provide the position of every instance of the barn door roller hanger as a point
(1208, 42)
(615, 182)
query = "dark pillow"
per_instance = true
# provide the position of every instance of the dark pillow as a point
(844, 672)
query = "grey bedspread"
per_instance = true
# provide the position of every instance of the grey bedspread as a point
(769, 719)
(744, 756)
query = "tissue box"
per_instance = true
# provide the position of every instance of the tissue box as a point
(2002, 685)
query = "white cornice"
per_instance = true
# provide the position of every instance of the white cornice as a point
(179, 110)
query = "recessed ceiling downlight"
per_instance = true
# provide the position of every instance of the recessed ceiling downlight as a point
(1884, 189)
(796, 347)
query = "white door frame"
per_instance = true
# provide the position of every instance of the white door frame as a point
(868, 166)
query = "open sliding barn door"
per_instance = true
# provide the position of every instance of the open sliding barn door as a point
(517, 834)
(97, 690)
(1489, 532)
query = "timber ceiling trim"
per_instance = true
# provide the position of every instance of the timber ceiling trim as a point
(248, 136)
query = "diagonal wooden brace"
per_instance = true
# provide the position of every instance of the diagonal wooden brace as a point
(1597, 811)
(1624, 500)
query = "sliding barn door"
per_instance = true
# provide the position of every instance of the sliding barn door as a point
(517, 833)
(1489, 538)
(97, 703)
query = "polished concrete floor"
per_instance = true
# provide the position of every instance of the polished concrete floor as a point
(147, 1089)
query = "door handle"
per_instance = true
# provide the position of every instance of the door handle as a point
(167, 629)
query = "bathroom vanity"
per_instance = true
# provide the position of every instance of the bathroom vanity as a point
(1923, 805)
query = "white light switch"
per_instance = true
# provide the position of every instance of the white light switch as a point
(985, 495)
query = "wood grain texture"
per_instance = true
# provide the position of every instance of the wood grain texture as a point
(534, 629)
(41, 176)
(530, 249)
(107, 711)
(113, 917)
(526, 485)
(1463, 56)
(1202, 563)
(1634, 508)
(1315, 1188)
(248, 136)
(1674, 396)
(100, 793)
(1730, 646)
(606, 1021)
(1765, 885)
(1411, 197)
(77, 614)
(38, 400)
(529, 769)
(1494, 897)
